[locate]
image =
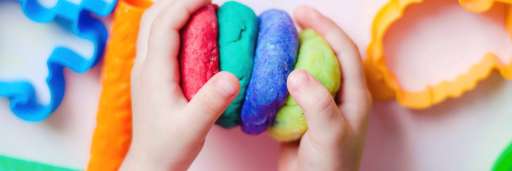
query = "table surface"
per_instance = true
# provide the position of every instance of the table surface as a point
(436, 41)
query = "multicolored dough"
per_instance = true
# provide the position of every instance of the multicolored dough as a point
(238, 28)
(275, 57)
(317, 58)
(199, 56)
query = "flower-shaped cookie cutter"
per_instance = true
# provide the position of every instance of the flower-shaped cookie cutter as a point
(384, 84)
(79, 19)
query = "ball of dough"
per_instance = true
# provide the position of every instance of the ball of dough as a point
(199, 56)
(275, 57)
(317, 58)
(238, 28)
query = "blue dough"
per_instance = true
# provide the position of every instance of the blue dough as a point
(276, 53)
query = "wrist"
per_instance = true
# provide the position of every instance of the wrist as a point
(140, 160)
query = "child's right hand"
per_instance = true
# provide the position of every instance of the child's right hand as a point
(336, 134)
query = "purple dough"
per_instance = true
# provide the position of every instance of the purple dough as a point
(275, 58)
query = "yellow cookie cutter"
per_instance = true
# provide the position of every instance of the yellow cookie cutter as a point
(383, 83)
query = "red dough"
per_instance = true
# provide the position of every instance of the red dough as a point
(199, 55)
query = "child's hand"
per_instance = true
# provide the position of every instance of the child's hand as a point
(168, 131)
(335, 138)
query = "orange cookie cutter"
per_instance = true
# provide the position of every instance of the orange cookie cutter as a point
(112, 136)
(384, 84)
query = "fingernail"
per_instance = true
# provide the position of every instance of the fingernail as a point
(300, 78)
(225, 86)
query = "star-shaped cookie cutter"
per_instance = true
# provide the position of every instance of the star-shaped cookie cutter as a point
(79, 20)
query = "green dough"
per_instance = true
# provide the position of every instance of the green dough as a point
(317, 58)
(10, 163)
(237, 38)
(504, 162)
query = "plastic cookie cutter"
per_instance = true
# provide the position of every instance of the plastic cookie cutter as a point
(79, 19)
(112, 135)
(504, 162)
(383, 83)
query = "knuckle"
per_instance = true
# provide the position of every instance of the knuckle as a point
(205, 106)
(324, 102)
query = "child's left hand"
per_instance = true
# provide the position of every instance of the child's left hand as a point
(168, 132)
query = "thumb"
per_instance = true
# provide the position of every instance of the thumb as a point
(211, 101)
(323, 116)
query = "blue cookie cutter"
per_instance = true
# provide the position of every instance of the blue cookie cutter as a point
(80, 20)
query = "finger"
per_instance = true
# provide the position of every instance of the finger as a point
(324, 120)
(164, 43)
(144, 81)
(211, 101)
(354, 95)
(164, 33)
(146, 23)
(163, 13)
